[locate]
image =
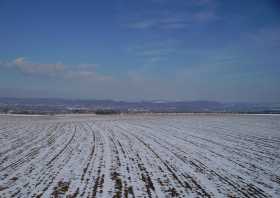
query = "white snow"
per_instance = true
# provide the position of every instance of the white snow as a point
(188, 155)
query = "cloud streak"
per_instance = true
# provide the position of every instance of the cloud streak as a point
(82, 72)
(174, 22)
(194, 12)
(28, 67)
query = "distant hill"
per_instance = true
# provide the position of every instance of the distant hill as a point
(50, 105)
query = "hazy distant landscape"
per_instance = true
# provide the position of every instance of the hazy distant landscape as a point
(59, 106)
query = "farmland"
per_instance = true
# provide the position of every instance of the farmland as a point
(187, 155)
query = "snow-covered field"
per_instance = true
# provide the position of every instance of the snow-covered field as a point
(140, 156)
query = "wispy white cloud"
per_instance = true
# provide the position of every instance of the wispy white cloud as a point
(205, 16)
(151, 52)
(81, 72)
(144, 24)
(174, 22)
(166, 19)
(27, 67)
(85, 75)
(266, 36)
(159, 23)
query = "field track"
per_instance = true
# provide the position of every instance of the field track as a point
(140, 156)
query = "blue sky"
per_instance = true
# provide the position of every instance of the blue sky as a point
(141, 50)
